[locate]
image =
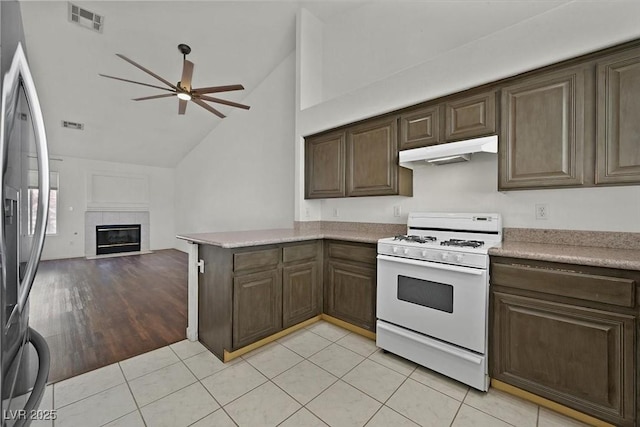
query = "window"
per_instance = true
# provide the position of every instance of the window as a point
(52, 222)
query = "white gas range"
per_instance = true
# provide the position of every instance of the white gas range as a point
(433, 293)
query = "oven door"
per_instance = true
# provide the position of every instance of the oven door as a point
(443, 301)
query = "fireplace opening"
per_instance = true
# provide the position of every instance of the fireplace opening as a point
(112, 239)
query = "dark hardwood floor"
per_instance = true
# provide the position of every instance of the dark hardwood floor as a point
(97, 312)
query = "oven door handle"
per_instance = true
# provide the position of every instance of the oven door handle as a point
(456, 268)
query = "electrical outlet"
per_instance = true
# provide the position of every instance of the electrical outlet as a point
(335, 212)
(397, 211)
(542, 211)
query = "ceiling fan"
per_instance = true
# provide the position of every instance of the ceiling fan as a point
(183, 89)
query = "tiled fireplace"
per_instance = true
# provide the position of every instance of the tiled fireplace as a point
(95, 220)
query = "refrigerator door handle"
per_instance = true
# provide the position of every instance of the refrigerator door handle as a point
(19, 72)
(44, 364)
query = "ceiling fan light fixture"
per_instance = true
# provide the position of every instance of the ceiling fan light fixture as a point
(183, 89)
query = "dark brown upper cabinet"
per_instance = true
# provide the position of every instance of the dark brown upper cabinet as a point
(361, 160)
(372, 160)
(618, 118)
(543, 130)
(454, 118)
(325, 166)
(570, 124)
(420, 128)
(471, 116)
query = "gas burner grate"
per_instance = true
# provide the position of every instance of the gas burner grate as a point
(462, 243)
(414, 238)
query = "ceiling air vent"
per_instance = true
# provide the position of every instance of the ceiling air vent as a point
(72, 125)
(85, 18)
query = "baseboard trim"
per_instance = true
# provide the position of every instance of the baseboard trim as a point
(349, 327)
(228, 356)
(549, 404)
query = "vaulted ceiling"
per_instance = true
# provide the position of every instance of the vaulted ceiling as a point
(232, 42)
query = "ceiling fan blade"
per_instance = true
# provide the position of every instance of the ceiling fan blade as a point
(154, 97)
(208, 107)
(224, 101)
(214, 89)
(131, 81)
(182, 106)
(187, 73)
(151, 73)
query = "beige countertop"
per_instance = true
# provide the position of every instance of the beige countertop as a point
(566, 246)
(626, 259)
(239, 239)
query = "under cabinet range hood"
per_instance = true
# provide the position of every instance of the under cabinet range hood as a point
(451, 152)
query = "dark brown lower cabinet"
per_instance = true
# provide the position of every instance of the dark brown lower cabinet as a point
(257, 306)
(350, 283)
(301, 289)
(579, 352)
(246, 294)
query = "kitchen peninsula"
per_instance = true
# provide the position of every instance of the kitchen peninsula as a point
(307, 272)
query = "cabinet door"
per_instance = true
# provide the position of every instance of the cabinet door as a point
(618, 119)
(300, 293)
(420, 128)
(372, 158)
(350, 293)
(470, 117)
(580, 357)
(325, 166)
(542, 141)
(257, 306)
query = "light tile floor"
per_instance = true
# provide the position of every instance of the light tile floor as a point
(321, 375)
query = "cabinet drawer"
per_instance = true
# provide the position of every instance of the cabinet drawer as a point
(573, 284)
(256, 259)
(300, 252)
(366, 254)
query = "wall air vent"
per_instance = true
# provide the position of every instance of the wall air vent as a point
(85, 18)
(72, 125)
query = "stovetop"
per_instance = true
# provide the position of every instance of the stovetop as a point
(431, 240)
(452, 238)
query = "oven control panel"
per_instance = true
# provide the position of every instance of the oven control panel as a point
(445, 256)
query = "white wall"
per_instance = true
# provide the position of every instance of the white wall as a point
(240, 177)
(72, 204)
(370, 43)
(544, 38)
(472, 187)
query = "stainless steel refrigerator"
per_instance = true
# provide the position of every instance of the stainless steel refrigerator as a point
(24, 354)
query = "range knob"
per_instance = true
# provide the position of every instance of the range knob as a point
(459, 257)
(394, 249)
(424, 254)
(405, 251)
(444, 256)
